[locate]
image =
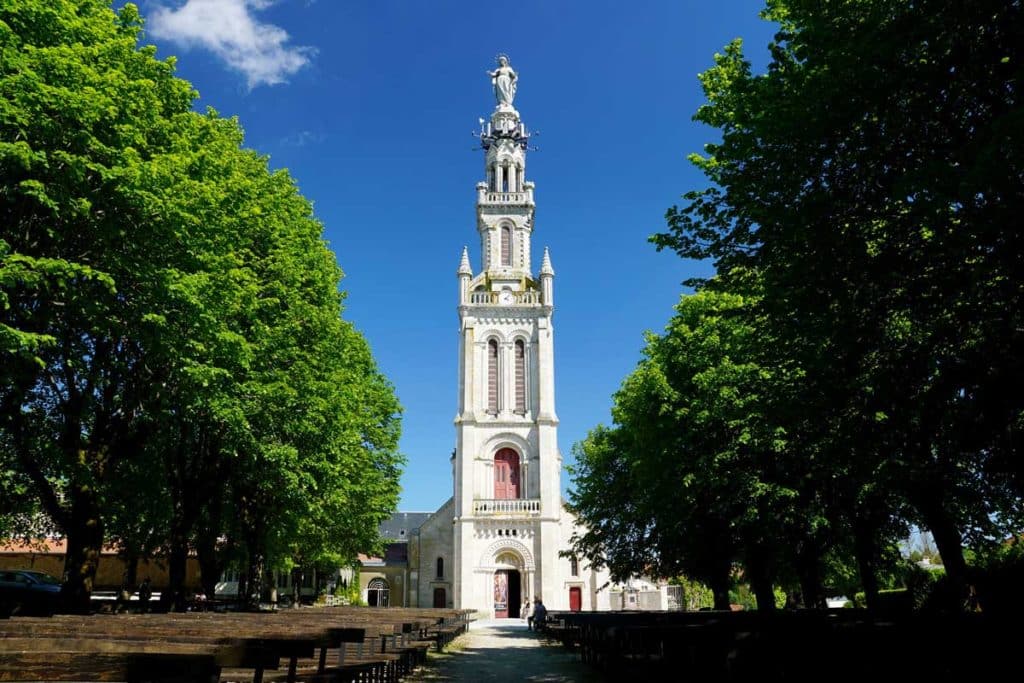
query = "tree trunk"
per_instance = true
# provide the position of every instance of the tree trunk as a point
(175, 600)
(85, 542)
(297, 576)
(949, 542)
(254, 572)
(210, 566)
(808, 568)
(719, 584)
(760, 580)
(210, 560)
(243, 586)
(864, 549)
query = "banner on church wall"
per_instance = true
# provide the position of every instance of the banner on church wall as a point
(500, 591)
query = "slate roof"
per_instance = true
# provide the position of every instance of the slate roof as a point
(401, 525)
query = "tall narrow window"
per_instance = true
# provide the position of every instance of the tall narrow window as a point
(506, 246)
(574, 566)
(440, 567)
(492, 377)
(506, 475)
(520, 377)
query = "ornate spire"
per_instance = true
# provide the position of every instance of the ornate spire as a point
(545, 264)
(464, 268)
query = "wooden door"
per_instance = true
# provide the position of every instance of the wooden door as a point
(440, 599)
(575, 599)
(506, 474)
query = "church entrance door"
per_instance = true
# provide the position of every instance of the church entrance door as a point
(507, 594)
(506, 474)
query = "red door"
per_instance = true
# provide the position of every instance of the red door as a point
(575, 599)
(506, 474)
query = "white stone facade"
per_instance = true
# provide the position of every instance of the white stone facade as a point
(505, 528)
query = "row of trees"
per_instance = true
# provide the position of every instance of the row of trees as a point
(176, 376)
(854, 367)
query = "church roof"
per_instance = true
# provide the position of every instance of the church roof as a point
(401, 525)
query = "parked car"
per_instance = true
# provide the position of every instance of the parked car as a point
(23, 591)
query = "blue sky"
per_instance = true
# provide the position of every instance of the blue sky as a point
(370, 106)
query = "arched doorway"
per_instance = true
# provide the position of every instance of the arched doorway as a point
(377, 593)
(508, 583)
(506, 474)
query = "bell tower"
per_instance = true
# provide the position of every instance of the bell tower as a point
(507, 466)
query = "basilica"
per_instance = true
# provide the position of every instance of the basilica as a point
(503, 537)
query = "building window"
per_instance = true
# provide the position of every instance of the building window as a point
(506, 245)
(492, 377)
(377, 593)
(574, 566)
(506, 475)
(440, 567)
(520, 362)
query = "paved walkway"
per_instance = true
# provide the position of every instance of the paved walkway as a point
(504, 650)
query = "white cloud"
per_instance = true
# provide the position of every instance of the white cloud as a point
(303, 138)
(228, 29)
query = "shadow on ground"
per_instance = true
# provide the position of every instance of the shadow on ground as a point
(504, 650)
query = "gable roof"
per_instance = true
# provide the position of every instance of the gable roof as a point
(401, 525)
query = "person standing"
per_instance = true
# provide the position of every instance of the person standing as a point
(525, 612)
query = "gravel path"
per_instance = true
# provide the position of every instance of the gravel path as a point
(503, 650)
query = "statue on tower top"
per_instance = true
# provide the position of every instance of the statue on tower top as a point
(504, 80)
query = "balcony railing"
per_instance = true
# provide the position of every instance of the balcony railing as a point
(505, 298)
(486, 197)
(518, 507)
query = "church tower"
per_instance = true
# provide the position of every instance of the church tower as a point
(502, 538)
(508, 521)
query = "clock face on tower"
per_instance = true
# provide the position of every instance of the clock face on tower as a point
(505, 297)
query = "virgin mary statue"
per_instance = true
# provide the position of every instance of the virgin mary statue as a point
(504, 80)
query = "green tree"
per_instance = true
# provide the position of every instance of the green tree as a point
(872, 177)
(695, 460)
(83, 109)
(170, 321)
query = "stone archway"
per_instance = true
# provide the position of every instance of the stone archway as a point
(508, 584)
(490, 556)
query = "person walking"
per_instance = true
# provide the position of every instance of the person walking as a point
(526, 614)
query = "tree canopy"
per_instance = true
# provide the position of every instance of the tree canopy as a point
(176, 374)
(862, 202)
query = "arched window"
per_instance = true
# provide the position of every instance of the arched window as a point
(574, 566)
(506, 245)
(520, 370)
(377, 593)
(492, 377)
(440, 567)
